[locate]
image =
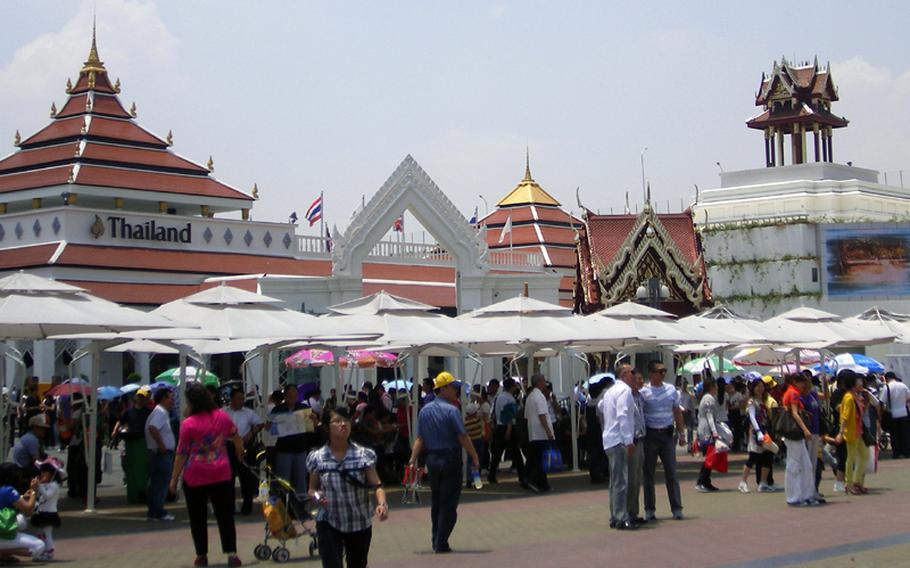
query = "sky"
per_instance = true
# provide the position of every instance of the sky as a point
(303, 97)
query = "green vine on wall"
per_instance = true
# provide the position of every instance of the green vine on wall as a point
(759, 261)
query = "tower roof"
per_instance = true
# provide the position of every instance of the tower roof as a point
(94, 141)
(527, 192)
(796, 94)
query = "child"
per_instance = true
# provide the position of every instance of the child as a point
(46, 518)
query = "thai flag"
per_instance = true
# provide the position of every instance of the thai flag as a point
(314, 213)
(473, 219)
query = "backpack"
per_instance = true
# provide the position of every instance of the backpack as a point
(9, 524)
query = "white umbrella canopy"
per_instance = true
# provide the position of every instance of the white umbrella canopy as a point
(33, 307)
(827, 330)
(881, 320)
(633, 323)
(229, 313)
(521, 321)
(385, 319)
(737, 329)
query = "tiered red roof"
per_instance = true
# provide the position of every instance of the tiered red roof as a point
(93, 140)
(539, 226)
(796, 94)
(616, 252)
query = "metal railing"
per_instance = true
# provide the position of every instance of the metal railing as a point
(411, 252)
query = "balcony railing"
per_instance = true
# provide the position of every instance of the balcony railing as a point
(422, 253)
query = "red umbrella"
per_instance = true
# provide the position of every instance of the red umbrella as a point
(70, 387)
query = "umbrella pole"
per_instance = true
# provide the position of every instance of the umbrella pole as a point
(90, 426)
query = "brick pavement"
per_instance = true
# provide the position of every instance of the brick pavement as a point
(505, 526)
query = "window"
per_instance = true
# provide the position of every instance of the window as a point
(815, 274)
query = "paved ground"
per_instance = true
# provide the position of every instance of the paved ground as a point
(503, 526)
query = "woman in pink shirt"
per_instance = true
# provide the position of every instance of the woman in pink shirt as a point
(206, 435)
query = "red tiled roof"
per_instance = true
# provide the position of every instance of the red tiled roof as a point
(25, 257)
(39, 156)
(439, 296)
(63, 128)
(409, 272)
(130, 258)
(102, 84)
(154, 181)
(34, 179)
(523, 213)
(136, 293)
(562, 257)
(609, 232)
(122, 130)
(104, 105)
(141, 156)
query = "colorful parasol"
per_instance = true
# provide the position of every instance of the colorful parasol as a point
(321, 358)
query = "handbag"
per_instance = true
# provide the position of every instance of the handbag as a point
(9, 524)
(552, 460)
(787, 426)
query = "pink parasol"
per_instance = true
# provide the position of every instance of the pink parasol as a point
(321, 358)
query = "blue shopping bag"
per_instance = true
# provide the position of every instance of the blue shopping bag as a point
(552, 460)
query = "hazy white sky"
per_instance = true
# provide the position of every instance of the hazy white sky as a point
(307, 96)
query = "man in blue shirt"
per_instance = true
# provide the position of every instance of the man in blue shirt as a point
(660, 402)
(441, 436)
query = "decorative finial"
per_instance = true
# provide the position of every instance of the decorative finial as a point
(210, 164)
(170, 138)
(69, 85)
(17, 138)
(53, 109)
(527, 164)
(93, 64)
(133, 110)
(648, 193)
(89, 103)
(255, 191)
(117, 85)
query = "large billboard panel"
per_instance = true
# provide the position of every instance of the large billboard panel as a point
(865, 262)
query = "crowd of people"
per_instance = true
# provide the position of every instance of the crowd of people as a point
(359, 439)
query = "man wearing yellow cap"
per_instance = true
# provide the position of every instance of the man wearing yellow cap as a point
(440, 437)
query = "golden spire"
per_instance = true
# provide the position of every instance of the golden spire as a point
(255, 191)
(527, 165)
(93, 64)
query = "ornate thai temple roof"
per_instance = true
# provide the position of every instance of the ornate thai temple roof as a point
(93, 140)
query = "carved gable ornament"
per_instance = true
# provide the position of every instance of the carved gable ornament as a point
(409, 188)
(649, 251)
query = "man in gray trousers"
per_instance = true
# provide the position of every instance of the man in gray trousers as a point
(618, 411)
(637, 459)
(662, 410)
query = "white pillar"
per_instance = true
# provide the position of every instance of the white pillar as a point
(144, 366)
(43, 355)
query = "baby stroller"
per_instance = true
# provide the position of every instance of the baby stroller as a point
(286, 517)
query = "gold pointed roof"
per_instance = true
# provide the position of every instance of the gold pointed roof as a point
(527, 192)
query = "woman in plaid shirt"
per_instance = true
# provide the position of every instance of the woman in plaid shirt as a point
(341, 476)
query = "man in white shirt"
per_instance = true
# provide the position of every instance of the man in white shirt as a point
(895, 396)
(159, 439)
(618, 410)
(248, 423)
(540, 433)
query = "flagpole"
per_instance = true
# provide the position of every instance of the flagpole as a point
(322, 221)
